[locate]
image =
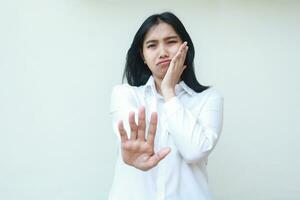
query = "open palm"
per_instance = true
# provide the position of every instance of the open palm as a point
(138, 151)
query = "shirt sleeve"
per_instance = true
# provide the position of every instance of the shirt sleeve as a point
(122, 102)
(194, 136)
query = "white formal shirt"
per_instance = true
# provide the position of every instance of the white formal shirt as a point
(189, 123)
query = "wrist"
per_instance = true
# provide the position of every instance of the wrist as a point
(168, 94)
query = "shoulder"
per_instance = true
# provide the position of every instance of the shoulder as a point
(121, 89)
(124, 96)
(209, 93)
(121, 93)
(214, 93)
(206, 98)
(209, 99)
(125, 90)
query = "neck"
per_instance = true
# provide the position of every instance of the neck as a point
(158, 85)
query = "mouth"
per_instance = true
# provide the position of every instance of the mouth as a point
(164, 62)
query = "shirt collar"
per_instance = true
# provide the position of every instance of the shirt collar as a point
(150, 86)
(186, 88)
(180, 87)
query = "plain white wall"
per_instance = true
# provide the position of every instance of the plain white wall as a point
(60, 59)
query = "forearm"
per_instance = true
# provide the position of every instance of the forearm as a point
(194, 134)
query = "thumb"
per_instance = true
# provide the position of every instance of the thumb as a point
(159, 155)
(163, 153)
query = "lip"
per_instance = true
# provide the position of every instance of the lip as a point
(164, 61)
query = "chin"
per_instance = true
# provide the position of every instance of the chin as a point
(163, 75)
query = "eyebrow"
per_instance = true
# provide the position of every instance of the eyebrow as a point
(167, 38)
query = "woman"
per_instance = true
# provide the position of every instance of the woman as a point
(166, 121)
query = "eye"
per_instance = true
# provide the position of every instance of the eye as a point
(151, 46)
(172, 41)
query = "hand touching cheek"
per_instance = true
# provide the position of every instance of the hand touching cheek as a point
(174, 72)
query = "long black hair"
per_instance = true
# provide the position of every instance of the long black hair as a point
(137, 72)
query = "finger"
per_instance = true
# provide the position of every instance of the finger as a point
(133, 126)
(175, 60)
(122, 131)
(179, 53)
(156, 158)
(141, 124)
(182, 48)
(152, 129)
(183, 68)
(183, 56)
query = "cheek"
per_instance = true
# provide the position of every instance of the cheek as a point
(149, 57)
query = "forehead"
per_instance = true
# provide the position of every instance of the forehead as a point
(160, 31)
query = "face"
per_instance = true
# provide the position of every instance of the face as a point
(160, 45)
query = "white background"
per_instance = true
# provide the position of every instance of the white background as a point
(59, 60)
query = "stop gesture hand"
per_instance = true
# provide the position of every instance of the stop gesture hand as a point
(138, 151)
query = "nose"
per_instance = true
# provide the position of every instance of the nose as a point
(163, 52)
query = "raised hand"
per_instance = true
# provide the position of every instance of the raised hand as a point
(138, 151)
(174, 72)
